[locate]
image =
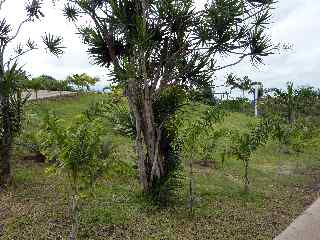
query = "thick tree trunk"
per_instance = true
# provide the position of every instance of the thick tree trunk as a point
(148, 139)
(5, 158)
(6, 137)
(133, 104)
(6, 144)
(140, 97)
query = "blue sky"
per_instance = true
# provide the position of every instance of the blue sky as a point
(296, 22)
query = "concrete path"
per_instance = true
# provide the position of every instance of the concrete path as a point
(43, 94)
(305, 227)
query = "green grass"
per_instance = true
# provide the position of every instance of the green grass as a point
(66, 109)
(36, 206)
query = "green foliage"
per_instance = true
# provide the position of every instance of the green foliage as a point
(244, 145)
(208, 145)
(292, 104)
(115, 109)
(119, 114)
(33, 141)
(280, 130)
(11, 102)
(293, 114)
(294, 135)
(244, 84)
(82, 81)
(157, 48)
(118, 207)
(34, 84)
(166, 106)
(12, 109)
(194, 129)
(238, 105)
(80, 148)
(204, 94)
(81, 157)
(45, 82)
(53, 43)
(189, 139)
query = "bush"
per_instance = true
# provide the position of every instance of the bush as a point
(238, 105)
(81, 157)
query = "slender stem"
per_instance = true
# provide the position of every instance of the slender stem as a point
(18, 30)
(74, 209)
(18, 55)
(246, 176)
(232, 64)
(191, 185)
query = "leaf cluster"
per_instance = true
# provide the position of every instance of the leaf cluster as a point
(180, 44)
(244, 144)
(12, 109)
(82, 81)
(81, 151)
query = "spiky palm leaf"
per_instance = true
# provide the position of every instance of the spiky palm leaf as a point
(53, 43)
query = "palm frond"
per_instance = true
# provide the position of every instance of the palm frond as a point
(53, 44)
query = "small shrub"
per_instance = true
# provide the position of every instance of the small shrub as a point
(244, 144)
(81, 158)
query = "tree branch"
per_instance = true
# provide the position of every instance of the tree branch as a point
(19, 55)
(18, 30)
(232, 64)
(1, 3)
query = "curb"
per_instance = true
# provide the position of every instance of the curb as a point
(305, 227)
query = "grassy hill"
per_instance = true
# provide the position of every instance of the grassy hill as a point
(35, 207)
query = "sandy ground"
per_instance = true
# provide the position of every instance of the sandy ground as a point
(43, 94)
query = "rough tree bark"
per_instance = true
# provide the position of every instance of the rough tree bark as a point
(151, 161)
(149, 137)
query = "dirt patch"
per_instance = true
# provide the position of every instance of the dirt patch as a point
(205, 163)
(37, 157)
(314, 187)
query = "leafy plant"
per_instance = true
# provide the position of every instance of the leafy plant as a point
(190, 139)
(208, 145)
(35, 84)
(244, 84)
(82, 81)
(116, 110)
(45, 82)
(158, 45)
(81, 158)
(11, 116)
(244, 144)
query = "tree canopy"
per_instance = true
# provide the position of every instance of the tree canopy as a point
(154, 48)
(82, 81)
